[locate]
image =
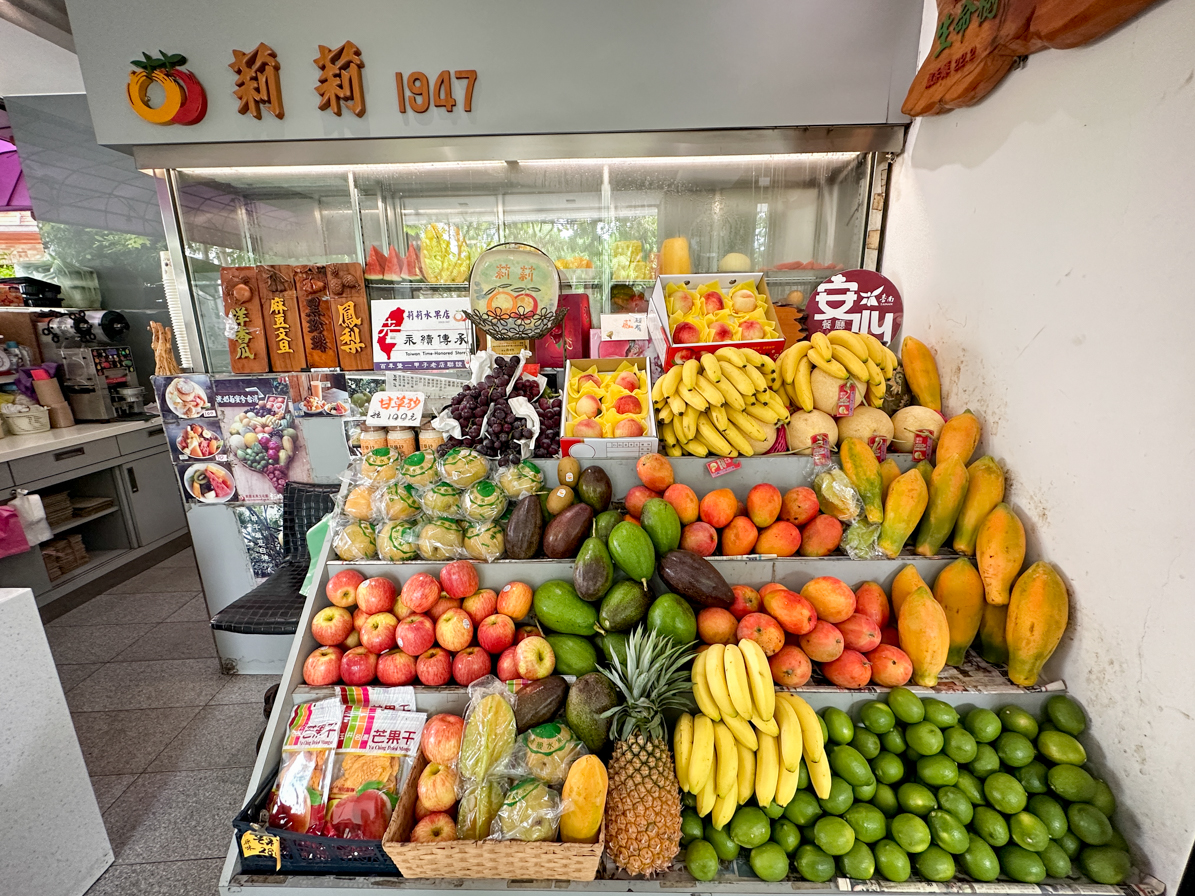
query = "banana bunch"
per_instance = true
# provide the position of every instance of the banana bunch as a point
(747, 739)
(714, 404)
(842, 354)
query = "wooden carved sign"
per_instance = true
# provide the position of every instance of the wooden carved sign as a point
(350, 315)
(284, 329)
(242, 310)
(315, 312)
(976, 42)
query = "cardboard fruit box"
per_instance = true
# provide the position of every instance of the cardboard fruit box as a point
(624, 446)
(679, 353)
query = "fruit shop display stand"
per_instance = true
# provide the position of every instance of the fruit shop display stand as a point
(974, 686)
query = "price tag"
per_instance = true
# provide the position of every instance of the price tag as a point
(819, 444)
(923, 444)
(395, 409)
(879, 446)
(846, 399)
(722, 465)
(260, 844)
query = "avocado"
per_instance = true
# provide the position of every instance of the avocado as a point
(696, 578)
(563, 536)
(605, 523)
(623, 606)
(574, 655)
(632, 550)
(594, 488)
(539, 701)
(614, 646)
(593, 573)
(524, 529)
(557, 606)
(590, 696)
(660, 522)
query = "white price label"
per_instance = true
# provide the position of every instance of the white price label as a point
(395, 408)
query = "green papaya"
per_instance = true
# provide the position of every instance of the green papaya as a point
(947, 489)
(558, 607)
(661, 523)
(863, 470)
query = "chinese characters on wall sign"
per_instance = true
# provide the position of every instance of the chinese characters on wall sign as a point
(860, 301)
(340, 79)
(258, 84)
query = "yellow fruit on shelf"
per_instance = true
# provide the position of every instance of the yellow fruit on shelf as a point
(921, 373)
(1000, 552)
(993, 637)
(924, 636)
(959, 437)
(863, 470)
(888, 473)
(907, 499)
(584, 794)
(674, 256)
(1037, 617)
(985, 489)
(947, 489)
(959, 590)
(906, 582)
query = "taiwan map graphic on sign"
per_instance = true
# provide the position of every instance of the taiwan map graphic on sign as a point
(421, 334)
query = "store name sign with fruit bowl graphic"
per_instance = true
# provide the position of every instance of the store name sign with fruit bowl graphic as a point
(183, 101)
(421, 334)
(860, 301)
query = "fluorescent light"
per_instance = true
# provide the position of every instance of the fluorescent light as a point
(356, 170)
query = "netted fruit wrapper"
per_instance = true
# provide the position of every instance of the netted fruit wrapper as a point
(545, 753)
(530, 811)
(836, 495)
(300, 794)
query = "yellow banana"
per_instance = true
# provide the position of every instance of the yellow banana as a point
(742, 731)
(853, 365)
(850, 341)
(709, 364)
(803, 386)
(689, 420)
(770, 399)
(889, 364)
(751, 356)
(819, 776)
(737, 682)
(748, 424)
(831, 366)
(875, 376)
(695, 448)
(709, 391)
(701, 689)
(657, 392)
(701, 758)
(692, 397)
(767, 770)
(734, 436)
(706, 797)
(723, 811)
(731, 355)
(670, 380)
(759, 675)
(768, 368)
(677, 404)
(734, 398)
(738, 377)
(710, 435)
(727, 766)
(788, 370)
(757, 378)
(786, 786)
(665, 414)
(715, 677)
(746, 772)
(689, 372)
(766, 726)
(790, 735)
(822, 348)
(718, 417)
(811, 727)
(682, 748)
(673, 450)
(875, 349)
(668, 431)
(762, 412)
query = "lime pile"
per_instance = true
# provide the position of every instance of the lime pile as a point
(919, 791)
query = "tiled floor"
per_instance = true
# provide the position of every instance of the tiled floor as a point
(169, 741)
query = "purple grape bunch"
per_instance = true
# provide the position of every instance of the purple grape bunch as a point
(473, 402)
(547, 444)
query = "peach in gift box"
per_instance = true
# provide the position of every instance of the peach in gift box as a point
(600, 417)
(691, 314)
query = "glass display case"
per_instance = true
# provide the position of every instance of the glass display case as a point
(416, 228)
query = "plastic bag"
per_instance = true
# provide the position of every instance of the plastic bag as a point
(419, 469)
(396, 503)
(530, 811)
(487, 742)
(859, 542)
(485, 541)
(354, 540)
(836, 495)
(483, 502)
(461, 467)
(399, 541)
(298, 801)
(380, 466)
(442, 500)
(545, 753)
(441, 539)
(520, 480)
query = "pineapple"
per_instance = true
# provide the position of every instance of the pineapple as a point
(643, 807)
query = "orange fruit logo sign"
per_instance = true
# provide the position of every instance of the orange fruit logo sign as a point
(184, 102)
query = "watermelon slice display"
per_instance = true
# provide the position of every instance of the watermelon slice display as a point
(219, 482)
(414, 271)
(393, 266)
(376, 264)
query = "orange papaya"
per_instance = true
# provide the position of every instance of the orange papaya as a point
(947, 488)
(959, 437)
(921, 373)
(926, 469)
(959, 590)
(1037, 616)
(993, 643)
(888, 473)
(863, 470)
(999, 552)
(906, 582)
(985, 489)
(924, 635)
(902, 512)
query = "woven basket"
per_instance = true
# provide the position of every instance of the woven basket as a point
(494, 859)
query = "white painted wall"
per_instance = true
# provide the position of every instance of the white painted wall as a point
(32, 65)
(1043, 242)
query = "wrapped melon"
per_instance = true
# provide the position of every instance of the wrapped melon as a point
(806, 424)
(826, 388)
(908, 421)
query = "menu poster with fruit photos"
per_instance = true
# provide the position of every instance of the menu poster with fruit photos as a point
(197, 447)
(323, 394)
(264, 444)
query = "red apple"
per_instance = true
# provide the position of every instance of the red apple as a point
(377, 635)
(377, 595)
(514, 600)
(342, 587)
(322, 666)
(420, 592)
(415, 634)
(359, 617)
(441, 741)
(396, 668)
(459, 579)
(523, 632)
(628, 404)
(362, 816)
(535, 658)
(358, 666)
(353, 640)
(434, 667)
(437, 610)
(628, 429)
(587, 429)
(469, 665)
(421, 811)
(331, 625)
(763, 630)
(480, 604)
(402, 611)
(437, 786)
(628, 379)
(496, 633)
(454, 630)
(436, 828)
(508, 664)
(713, 302)
(588, 406)
(685, 332)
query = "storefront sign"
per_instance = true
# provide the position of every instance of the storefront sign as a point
(421, 334)
(184, 100)
(395, 409)
(860, 301)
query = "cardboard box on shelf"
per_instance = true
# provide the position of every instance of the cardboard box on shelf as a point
(648, 443)
(678, 354)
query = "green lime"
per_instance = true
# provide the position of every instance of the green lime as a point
(690, 827)
(858, 863)
(1013, 718)
(985, 762)
(1021, 864)
(925, 737)
(750, 827)
(916, 798)
(937, 771)
(1060, 747)
(1072, 783)
(804, 808)
(906, 705)
(841, 797)
(867, 821)
(864, 792)
(887, 768)
(701, 860)
(867, 743)
(1033, 777)
(894, 741)
(948, 832)
(833, 835)
(825, 730)
(990, 825)
(813, 864)
(935, 864)
(960, 745)
(1029, 831)
(1071, 845)
(1103, 798)
(838, 725)
(954, 801)
(1105, 864)
(1089, 824)
(910, 832)
(688, 799)
(971, 786)
(1050, 811)
(1015, 749)
(726, 848)
(892, 861)
(983, 724)
(877, 717)
(1057, 862)
(787, 834)
(940, 713)
(1066, 714)
(773, 810)
(802, 776)
(769, 862)
(979, 861)
(885, 800)
(1005, 793)
(847, 762)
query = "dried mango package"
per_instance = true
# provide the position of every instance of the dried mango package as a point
(297, 802)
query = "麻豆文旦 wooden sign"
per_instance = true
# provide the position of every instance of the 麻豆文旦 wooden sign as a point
(284, 328)
(242, 309)
(350, 315)
(976, 43)
(315, 311)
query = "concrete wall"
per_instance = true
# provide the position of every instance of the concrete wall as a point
(1043, 243)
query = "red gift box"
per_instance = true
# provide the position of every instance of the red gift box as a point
(571, 338)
